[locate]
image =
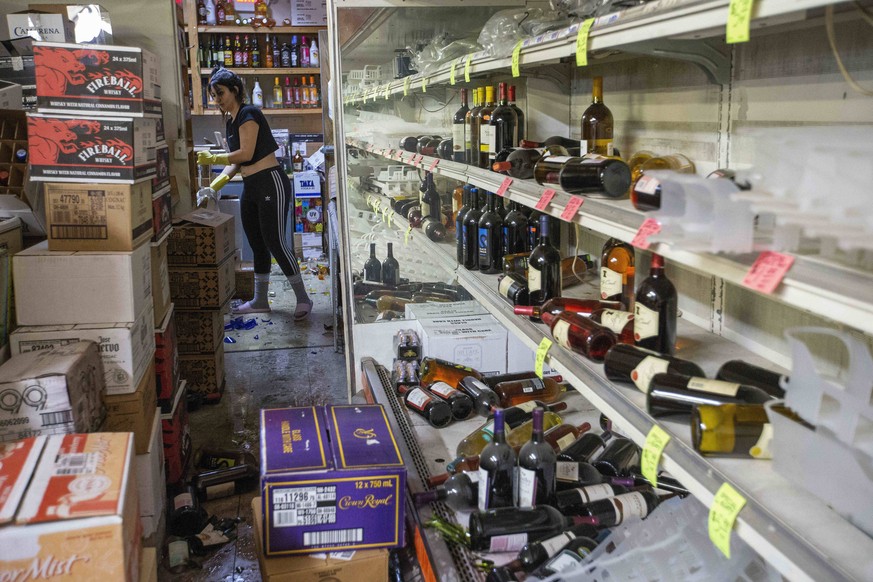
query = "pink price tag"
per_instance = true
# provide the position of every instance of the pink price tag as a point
(545, 199)
(417, 159)
(507, 182)
(572, 208)
(433, 164)
(649, 227)
(768, 271)
(399, 156)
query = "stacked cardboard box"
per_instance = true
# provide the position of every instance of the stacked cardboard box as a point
(201, 258)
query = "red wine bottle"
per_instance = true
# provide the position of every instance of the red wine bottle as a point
(595, 175)
(390, 268)
(515, 236)
(751, 375)
(508, 529)
(623, 508)
(574, 501)
(504, 121)
(462, 405)
(460, 217)
(624, 363)
(373, 268)
(557, 305)
(536, 468)
(544, 268)
(676, 394)
(584, 448)
(656, 311)
(497, 470)
(437, 412)
(471, 233)
(491, 238)
(568, 558)
(460, 492)
(534, 554)
(484, 398)
(514, 288)
(619, 455)
(579, 334)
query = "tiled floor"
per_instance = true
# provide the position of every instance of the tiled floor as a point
(278, 363)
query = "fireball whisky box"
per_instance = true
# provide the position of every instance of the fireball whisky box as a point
(77, 518)
(166, 362)
(331, 478)
(83, 149)
(176, 436)
(162, 213)
(96, 80)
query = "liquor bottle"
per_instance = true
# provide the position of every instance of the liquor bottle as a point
(228, 52)
(187, 517)
(295, 90)
(237, 52)
(695, 384)
(285, 55)
(304, 94)
(390, 268)
(554, 140)
(260, 9)
(313, 54)
(568, 558)
(619, 455)
(246, 52)
(304, 60)
(225, 481)
(564, 434)
(573, 501)
(520, 163)
(518, 421)
(471, 234)
(436, 411)
(655, 310)
(515, 236)
(277, 94)
(536, 468)
(607, 176)
(624, 363)
(458, 126)
(646, 192)
(544, 268)
(314, 96)
(597, 123)
(460, 217)
(547, 170)
(736, 430)
(490, 238)
(229, 13)
(297, 161)
(373, 268)
(460, 492)
(751, 375)
(277, 53)
(497, 470)
(522, 131)
(437, 370)
(508, 529)
(462, 405)
(513, 287)
(504, 125)
(484, 398)
(613, 511)
(621, 323)
(617, 272)
(255, 55)
(445, 151)
(471, 128)
(201, 15)
(486, 130)
(584, 448)
(534, 554)
(268, 53)
(558, 305)
(220, 14)
(257, 95)
(580, 334)
(515, 392)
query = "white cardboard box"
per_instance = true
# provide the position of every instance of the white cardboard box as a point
(150, 482)
(309, 13)
(478, 341)
(66, 287)
(126, 349)
(12, 206)
(441, 310)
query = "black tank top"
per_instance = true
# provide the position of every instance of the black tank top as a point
(264, 146)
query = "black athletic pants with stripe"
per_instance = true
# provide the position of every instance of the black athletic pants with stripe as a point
(264, 206)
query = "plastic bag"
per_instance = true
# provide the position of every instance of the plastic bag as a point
(589, 8)
(503, 30)
(441, 49)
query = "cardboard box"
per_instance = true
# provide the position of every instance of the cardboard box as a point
(176, 436)
(114, 81)
(161, 181)
(477, 341)
(443, 310)
(50, 392)
(308, 245)
(202, 287)
(199, 332)
(151, 489)
(39, 26)
(244, 276)
(16, 66)
(10, 235)
(148, 568)
(86, 23)
(162, 213)
(201, 239)
(160, 281)
(307, 185)
(166, 362)
(303, 468)
(365, 565)
(134, 412)
(14, 207)
(66, 287)
(19, 462)
(126, 349)
(308, 215)
(10, 95)
(308, 13)
(204, 373)
(78, 519)
(98, 217)
(91, 149)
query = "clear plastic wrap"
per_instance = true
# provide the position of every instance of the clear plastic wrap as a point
(503, 30)
(441, 49)
(589, 8)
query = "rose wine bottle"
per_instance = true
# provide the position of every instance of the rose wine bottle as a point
(497, 470)
(625, 363)
(437, 412)
(656, 311)
(579, 334)
(536, 468)
(512, 393)
(597, 123)
(544, 268)
(436, 370)
(617, 272)
(558, 305)
(621, 323)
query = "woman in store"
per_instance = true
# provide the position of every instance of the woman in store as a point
(267, 194)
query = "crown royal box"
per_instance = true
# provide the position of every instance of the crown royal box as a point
(331, 478)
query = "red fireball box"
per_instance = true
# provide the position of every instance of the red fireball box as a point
(176, 435)
(91, 149)
(106, 80)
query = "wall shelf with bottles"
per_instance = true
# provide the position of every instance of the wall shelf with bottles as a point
(234, 29)
(272, 111)
(266, 71)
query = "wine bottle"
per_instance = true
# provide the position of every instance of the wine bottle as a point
(497, 470)
(484, 398)
(515, 237)
(556, 140)
(617, 272)
(583, 449)
(520, 163)
(504, 123)
(579, 334)
(516, 392)
(508, 529)
(224, 481)
(427, 144)
(728, 174)
(655, 311)
(621, 323)
(573, 269)
(471, 234)
(636, 161)
(620, 454)
(573, 501)
(514, 288)
(576, 474)
(500, 574)
(390, 268)
(736, 430)
(431, 207)
(607, 176)
(462, 405)
(486, 130)
(620, 509)
(446, 149)
(490, 238)
(187, 517)
(597, 124)
(749, 394)
(646, 191)
(460, 217)
(562, 435)
(437, 370)
(534, 554)
(547, 170)
(373, 268)
(544, 268)
(751, 375)
(519, 115)
(568, 558)
(471, 128)
(437, 412)
(624, 363)
(558, 305)
(515, 416)
(533, 226)
(409, 144)
(459, 138)
(536, 468)
(522, 433)
(460, 492)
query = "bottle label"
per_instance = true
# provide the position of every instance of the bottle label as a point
(615, 320)
(644, 372)
(647, 185)
(564, 561)
(504, 286)
(645, 322)
(566, 471)
(182, 500)
(603, 147)
(630, 505)
(561, 333)
(556, 159)
(553, 545)
(417, 398)
(533, 385)
(565, 441)
(487, 431)
(527, 487)
(484, 488)
(222, 490)
(583, 146)
(610, 283)
(487, 137)
(714, 386)
(534, 279)
(761, 449)
(458, 137)
(596, 492)
(527, 406)
(442, 389)
(425, 209)
(484, 243)
(508, 543)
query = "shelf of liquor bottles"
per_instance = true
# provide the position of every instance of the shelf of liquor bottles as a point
(265, 71)
(234, 29)
(793, 530)
(272, 111)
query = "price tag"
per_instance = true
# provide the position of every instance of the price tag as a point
(406, 86)
(516, 57)
(433, 164)
(406, 236)
(387, 92)
(582, 43)
(467, 68)
(739, 17)
(416, 160)
(388, 153)
(649, 227)
(768, 271)
(390, 218)
(656, 440)
(424, 84)
(545, 199)
(504, 186)
(386, 215)
(542, 350)
(452, 72)
(572, 208)
(723, 515)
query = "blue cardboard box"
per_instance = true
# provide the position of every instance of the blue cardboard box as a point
(331, 478)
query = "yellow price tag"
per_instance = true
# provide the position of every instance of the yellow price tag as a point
(516, 56)
(390, 218)
(405, 86)
(739, 17)
(467, 68)
(387, 92)
(656, 440)
(406, 236)
(452, 72)
(424, 84)
(723, 515)
(582, 43)
(386, 215)
(542, 350)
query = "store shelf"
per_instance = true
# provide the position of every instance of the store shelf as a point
(266, 71)
(267, 111)
(233, 29)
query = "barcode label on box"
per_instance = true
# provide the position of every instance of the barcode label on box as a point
(53, 418)
(304, 506)
(338, 536)
(79, 232)
(77, 463)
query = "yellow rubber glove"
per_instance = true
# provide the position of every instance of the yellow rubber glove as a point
(205, 158)
(220, 182)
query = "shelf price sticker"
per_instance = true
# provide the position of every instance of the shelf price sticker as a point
(386, 215)
(582, 43)
(424, 84)
(433, 164)
(572, 208)
(739, 17)
(406, 86)
(656, 440)
(516, 57)
(452, 72)
(649, 227)
(768, 271)
(723, 515)
(542, 350)
(504, 186)
(387, 92)
(545, 199)
(406, 236)
(467, 67)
